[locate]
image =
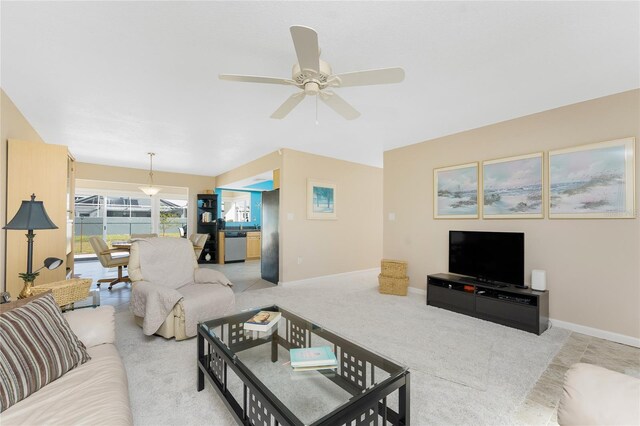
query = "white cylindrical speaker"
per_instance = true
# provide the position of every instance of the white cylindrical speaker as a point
(538, 280)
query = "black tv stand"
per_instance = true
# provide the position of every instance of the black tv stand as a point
(472, 280)
(508, 305)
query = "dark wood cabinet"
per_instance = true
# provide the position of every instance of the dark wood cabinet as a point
(515, 307)
(207, 224)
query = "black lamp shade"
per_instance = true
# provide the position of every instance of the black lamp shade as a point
(31, 215)
(52, 262)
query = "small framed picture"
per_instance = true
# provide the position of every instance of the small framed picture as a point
(595, 181)
(512, 187)
(455, 192)
(321, 200)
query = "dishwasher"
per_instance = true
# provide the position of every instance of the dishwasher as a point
(235, 246)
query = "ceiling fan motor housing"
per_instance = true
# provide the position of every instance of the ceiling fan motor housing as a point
(302, 77)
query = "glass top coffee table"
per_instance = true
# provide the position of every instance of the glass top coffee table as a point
(250, 371)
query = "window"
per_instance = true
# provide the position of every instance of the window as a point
(115, 216)
(236, 207)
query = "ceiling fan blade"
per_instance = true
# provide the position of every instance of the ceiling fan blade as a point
(288, 105)
(339, 105)
(369, 77)
(305, 40)
(256, 79)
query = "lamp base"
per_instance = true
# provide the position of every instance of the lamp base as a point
(27, 290)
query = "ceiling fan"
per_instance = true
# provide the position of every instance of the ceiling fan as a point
(314, 77)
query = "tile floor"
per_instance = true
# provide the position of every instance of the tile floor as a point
(245, 276)
(541, 405)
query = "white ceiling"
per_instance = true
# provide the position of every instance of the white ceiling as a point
(114, 80)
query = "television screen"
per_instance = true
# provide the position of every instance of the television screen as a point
(488, 256)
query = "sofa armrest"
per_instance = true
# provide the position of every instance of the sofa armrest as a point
(93, 326)
(597, 396)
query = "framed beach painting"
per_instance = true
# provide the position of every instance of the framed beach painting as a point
(455, 192)
(512, 187)
(321, 200)
(595, 181)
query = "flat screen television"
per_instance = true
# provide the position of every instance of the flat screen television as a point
(488, 256)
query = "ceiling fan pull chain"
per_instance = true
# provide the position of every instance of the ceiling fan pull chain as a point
(317, 109)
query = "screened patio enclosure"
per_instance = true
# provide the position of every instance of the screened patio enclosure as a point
(114, 216)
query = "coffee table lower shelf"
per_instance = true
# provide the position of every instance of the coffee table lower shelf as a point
(259, 406)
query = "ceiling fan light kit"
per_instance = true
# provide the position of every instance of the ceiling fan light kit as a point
(314, 76)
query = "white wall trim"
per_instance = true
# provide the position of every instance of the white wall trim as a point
(420, 291)
(596, 332)
(329, 278)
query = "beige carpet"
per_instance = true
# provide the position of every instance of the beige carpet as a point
(463, 370)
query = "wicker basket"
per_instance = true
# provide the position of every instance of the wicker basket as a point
(393, 268)
(391, 285)
(66, 292)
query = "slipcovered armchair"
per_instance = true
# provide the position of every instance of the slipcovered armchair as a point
(170, 293)
(143, 236)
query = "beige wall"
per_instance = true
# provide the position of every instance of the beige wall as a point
(196, 184)
(13, 125)
(263, 164)
(593, 266)
(352, 242)
(326, 247)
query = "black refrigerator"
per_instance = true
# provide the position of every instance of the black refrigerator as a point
(270, 256)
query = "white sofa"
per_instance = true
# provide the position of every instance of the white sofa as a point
(594, 395)
(94, 393)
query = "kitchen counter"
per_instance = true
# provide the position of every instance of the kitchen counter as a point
(254, 245)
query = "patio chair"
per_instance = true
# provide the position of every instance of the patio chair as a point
(107, 260)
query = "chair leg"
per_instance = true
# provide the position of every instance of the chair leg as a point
(120, 279)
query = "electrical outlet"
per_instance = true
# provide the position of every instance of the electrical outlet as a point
(290, 216)
(299, 260)
(392, 216)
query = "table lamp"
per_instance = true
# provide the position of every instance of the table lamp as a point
(32, 215)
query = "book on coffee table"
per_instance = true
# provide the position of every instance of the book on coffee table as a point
(313, 358)
(313, 368)
(262, 321)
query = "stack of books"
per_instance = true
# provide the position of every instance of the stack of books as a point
(262, 321)
(319, 358)
(207, 217)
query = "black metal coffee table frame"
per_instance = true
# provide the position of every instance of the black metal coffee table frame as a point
(259, 405)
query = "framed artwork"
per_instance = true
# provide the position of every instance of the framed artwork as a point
(595, 181)
(321, 200)
(455, 192)
(512, 187)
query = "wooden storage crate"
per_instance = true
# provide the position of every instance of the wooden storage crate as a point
(392, 285)
(393, 268)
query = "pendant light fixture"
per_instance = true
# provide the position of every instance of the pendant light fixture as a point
(150, 189)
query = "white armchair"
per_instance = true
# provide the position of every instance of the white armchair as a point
(170, 293)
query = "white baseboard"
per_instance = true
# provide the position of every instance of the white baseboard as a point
(320, 279)
(596, 332)
(420, 291)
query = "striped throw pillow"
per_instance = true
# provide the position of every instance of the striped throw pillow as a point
(37, 347)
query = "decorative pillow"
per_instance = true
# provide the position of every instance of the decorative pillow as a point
(37, 347)
(210, 276)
